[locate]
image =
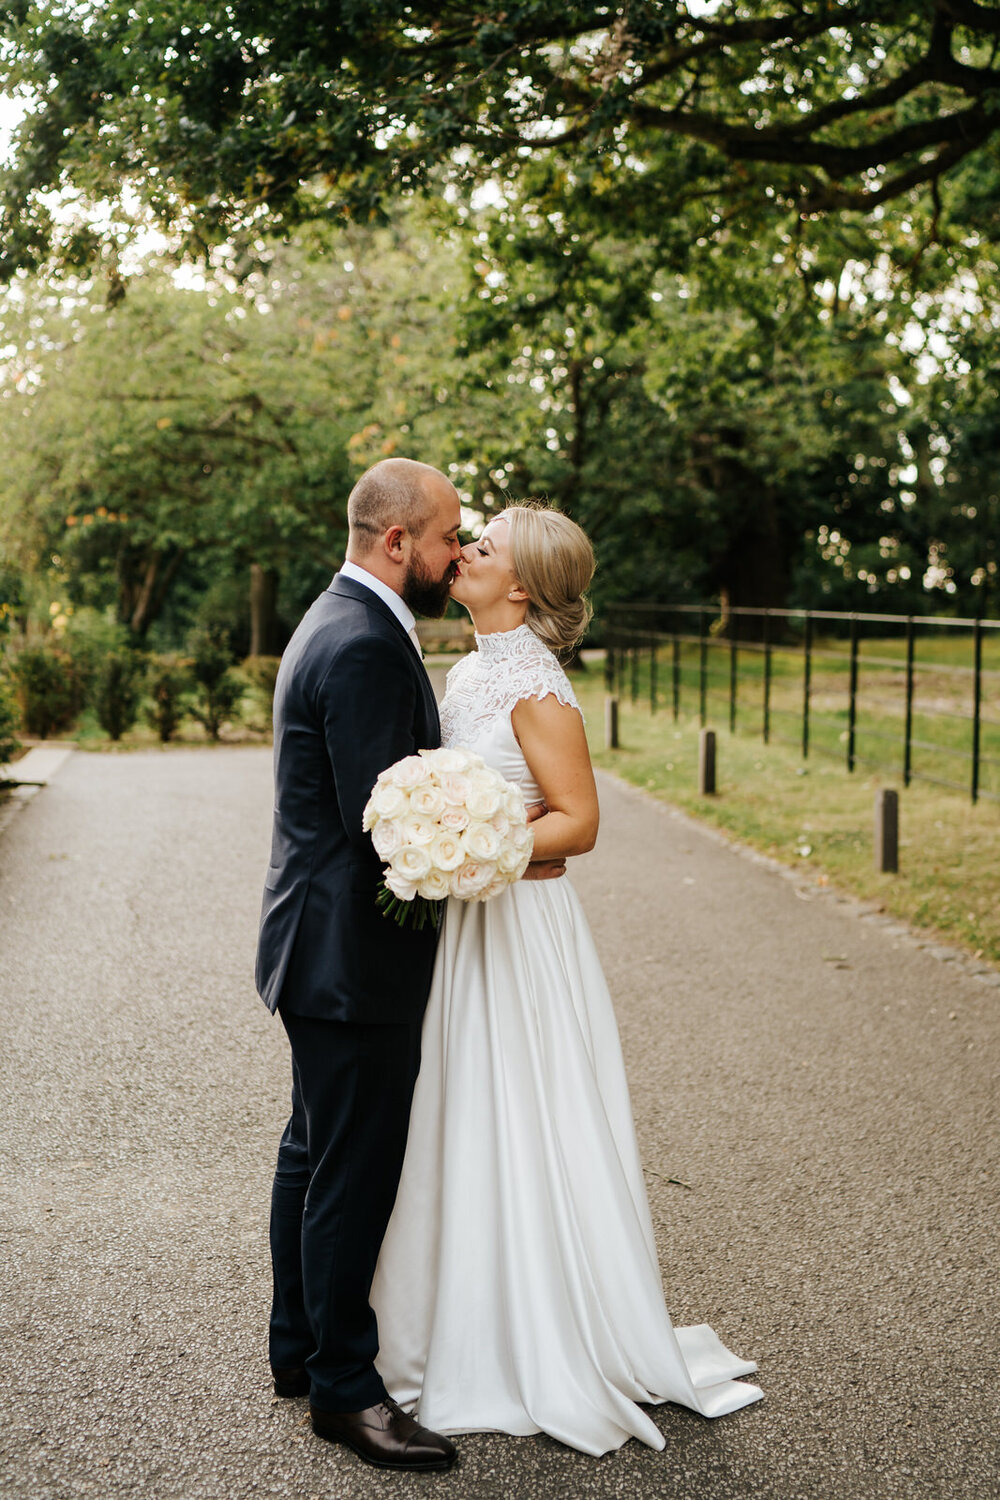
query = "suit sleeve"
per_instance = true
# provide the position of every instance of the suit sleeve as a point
(368, 703)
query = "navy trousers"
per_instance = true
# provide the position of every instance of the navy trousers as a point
(338, 1170)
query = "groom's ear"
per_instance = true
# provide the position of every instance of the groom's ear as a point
(392, 541)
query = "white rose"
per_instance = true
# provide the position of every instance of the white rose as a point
(409, 772)
(388, 801)
(455, 788)
(454, 819)
(412, 862)
(500, 822)
(387, 839)
(495, 887)
(481, 841)
(510, 858)
(471, 879)
(416, 830)
(427, 801)
(484, 798)
(525, 861)
(522, 837)
(435, 886)
(513, 804)
(446, 850)
(444, 760)
(404, 889)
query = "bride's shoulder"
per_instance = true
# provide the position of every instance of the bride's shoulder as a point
(541, 675)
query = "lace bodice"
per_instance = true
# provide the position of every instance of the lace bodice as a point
(483, 689)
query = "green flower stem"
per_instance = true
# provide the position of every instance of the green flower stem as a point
(416, 913)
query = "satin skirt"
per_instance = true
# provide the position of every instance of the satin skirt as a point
(518, 1288)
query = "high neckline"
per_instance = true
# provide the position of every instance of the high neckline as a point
(500, 643)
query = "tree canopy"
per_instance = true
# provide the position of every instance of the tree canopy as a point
(220, 119)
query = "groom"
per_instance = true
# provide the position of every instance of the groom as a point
(349, 985)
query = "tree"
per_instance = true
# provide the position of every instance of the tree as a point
(192, 440)
(226, 120)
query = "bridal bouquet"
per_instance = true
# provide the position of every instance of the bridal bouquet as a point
(445, 824)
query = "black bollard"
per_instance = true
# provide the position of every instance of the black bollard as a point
(706, 763)
(887, 831)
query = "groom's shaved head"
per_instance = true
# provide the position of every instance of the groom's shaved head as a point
(395, 492)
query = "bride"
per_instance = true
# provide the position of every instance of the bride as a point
(518, 1288)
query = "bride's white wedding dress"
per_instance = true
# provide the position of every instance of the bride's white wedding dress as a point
(518, 1288)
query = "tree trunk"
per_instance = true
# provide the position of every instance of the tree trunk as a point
(263, 611)
(755, 572)
(147, 600)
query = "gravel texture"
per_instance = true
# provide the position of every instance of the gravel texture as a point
(823, 1085)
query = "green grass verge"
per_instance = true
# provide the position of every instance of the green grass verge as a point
(815, 815)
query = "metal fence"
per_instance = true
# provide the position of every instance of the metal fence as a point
(915, 695)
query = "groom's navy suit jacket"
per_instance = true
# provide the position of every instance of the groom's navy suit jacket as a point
(351, 698)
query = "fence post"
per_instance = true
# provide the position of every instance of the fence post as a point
(706, 762)
(767, 677)
(609, 664)
(908, 729)
(886, 831)
(676, 678)
(610, 722)
(635, 668)
(733, 669)
(702, 666)
(852, 701)
(977, 701)
(806, 684)
(652, 674)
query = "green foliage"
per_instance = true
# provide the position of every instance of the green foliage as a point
(89, 639)
(217, 687)
(11, 598)
(168, 681)
(224, 123)
(260, 674)
(9, 721)
(48, 689)
(116, 692)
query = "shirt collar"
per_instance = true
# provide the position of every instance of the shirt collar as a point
(388, 596)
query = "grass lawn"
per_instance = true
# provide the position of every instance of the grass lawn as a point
(814, 814)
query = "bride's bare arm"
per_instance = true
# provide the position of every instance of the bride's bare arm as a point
(554, 744)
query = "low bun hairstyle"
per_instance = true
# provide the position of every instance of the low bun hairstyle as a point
(553, 562)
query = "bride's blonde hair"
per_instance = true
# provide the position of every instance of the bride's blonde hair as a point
(553, 562)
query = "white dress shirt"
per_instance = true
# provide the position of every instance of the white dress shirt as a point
(388, 596)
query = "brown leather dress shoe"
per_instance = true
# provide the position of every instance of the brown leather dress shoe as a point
(385, 1436)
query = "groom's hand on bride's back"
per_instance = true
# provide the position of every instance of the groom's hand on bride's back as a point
(542, 869)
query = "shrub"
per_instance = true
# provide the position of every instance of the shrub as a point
(48, 689)
(9, 721)
(115, 693)
(218, 690)
(259, 673)
(167, 682)
(89, 639)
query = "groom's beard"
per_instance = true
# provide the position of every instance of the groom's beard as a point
(425, 594)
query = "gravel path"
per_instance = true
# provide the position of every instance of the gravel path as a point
(825, 1087)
